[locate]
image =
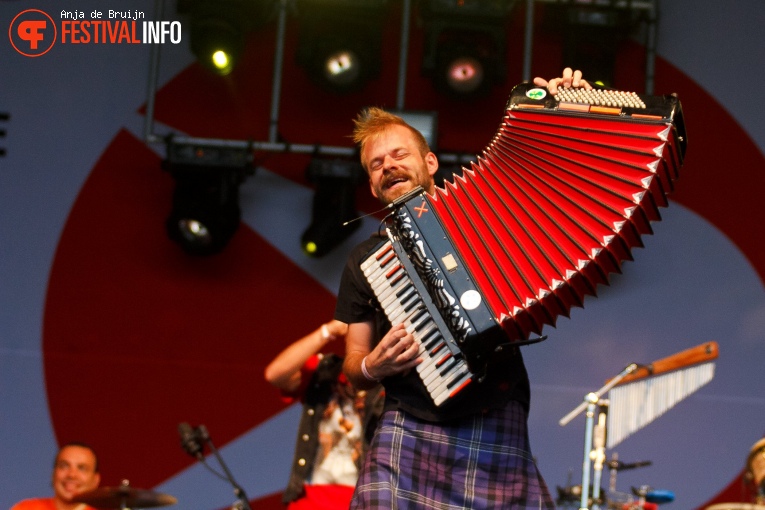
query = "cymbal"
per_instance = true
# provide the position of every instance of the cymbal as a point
(735, 506)
(124, 496)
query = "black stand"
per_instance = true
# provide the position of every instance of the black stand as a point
(192, 441)
(243, 502)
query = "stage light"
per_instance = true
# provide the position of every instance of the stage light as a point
(342, 69)
(222, 60)
(205, 208)
(339, 43)
(334, 203)
(218, 30)
(465, 45)
(217, 44)
(464, 74)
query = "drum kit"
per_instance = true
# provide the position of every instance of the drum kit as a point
(640, 498)
(639, 394)
(124, 497)
(645, 498)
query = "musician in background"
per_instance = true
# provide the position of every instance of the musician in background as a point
(472, 452)
(75, 470)
(332, 436)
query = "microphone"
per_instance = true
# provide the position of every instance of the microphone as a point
(400, 200)
(202, 434)
(357, 218)
(190, 441)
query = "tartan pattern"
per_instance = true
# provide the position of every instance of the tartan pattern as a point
(481, 461)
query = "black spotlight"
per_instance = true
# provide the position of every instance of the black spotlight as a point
(218, 30)
(334, 203)
(465, 45)
(205, 212)
(339, 42)
(594, 34)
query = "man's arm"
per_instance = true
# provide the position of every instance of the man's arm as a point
(284, 371)
(396, 353)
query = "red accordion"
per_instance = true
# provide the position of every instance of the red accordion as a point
(556, 202)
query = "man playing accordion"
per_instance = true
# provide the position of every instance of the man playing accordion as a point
(473, 452)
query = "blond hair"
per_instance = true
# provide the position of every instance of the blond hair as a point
(373, 121)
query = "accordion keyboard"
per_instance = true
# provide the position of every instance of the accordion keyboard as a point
(443, 371)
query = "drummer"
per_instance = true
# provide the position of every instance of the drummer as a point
(75, 470)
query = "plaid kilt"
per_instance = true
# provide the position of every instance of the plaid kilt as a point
(477, 462)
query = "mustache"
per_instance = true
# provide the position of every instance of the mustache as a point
(394, 177)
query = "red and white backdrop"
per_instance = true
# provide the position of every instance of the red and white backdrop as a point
(111, 335)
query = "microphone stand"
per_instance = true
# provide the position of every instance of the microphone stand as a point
(243, 502)
(590, 402)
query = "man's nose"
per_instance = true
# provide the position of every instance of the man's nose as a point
(388, 163)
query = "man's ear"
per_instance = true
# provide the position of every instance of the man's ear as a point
(432, 161)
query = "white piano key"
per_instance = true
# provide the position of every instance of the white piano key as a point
(373, 259)
(443, 396)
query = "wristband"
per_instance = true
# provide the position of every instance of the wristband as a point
(324, 332)
(366, 372)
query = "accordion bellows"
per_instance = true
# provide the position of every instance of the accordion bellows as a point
(552, 207)
(558, 200)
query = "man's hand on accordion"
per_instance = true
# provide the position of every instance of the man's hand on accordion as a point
(395, 354)
(569, 79)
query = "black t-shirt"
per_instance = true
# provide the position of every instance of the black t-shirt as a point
(506, 378)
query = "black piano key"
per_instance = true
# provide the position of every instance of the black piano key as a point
(418, 316)
(453, 382)
(388, 297)
(411, 302)
(431, 342)
(408, 287)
